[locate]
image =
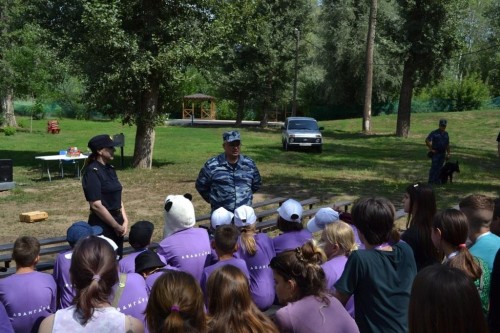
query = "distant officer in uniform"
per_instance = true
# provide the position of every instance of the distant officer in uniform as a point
(438, 143)
(229, 179)
(103, 191)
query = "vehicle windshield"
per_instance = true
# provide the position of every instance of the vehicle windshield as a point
(303, 125)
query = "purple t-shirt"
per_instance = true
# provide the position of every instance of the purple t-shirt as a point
(358, 241)
(28, 298)
(134, 297)
(65, 292)
(240, 263)
(5, 325)
(291, 240)
(261, 275)
(311, 315)
(151, 279)
(127, 263)
(188, 250)
(333, 269)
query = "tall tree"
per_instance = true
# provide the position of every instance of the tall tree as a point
(370, 45)
(130, 53)
(432, 36)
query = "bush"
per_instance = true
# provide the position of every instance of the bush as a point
(226, 110)
(37, 111)
(9, 131)
(452, 95)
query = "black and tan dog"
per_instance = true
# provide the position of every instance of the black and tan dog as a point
(447, 172)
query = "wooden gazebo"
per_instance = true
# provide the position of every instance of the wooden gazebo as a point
(198, 104)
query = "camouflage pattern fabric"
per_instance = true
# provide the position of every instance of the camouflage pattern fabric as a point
(221, 185)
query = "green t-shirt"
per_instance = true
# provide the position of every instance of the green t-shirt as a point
(381, 284)
(483, 285)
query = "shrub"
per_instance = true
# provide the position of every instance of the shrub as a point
(9, 131)
(37, 111)
(452, 95)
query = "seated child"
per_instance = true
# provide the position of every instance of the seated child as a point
(139, 238)
(176, 304)
(257, 250)
(230, 306)
(301, 287)
(28, 296)
(380, 276)
(225, 244)
(184, 246)
(65, 292)
(338, 243)
(290, 223)
(219, 217)
(149, 265)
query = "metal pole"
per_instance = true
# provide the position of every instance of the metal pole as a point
(296, 70)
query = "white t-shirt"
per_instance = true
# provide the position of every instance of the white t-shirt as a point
(103, 320)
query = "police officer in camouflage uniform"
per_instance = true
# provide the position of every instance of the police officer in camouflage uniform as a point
(438, 143)
(229, 179)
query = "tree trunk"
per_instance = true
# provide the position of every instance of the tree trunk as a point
(8, 110)
(241, 109)
(263, 119)
(405, 96)
(145, 133)
(370, 45)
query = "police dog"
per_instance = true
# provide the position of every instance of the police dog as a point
(447, 171)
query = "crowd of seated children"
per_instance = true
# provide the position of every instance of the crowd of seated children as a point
(93, 274)
(290, 224)
(176, 304)
(301, 289)
(28, 296)
(230, 306)
(183, 246)
(450, 230)
(257, 250)
(419, 202)
(444, 300)
(380, 276)
(337, 240)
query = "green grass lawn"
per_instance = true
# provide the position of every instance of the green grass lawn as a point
(351, 165)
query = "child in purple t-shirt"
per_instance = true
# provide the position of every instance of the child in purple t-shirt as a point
(183, 246)
(301, 287)
(338, 242)
(150, 266)
(257, 250)
(225, 243)
(28, 296)
(139, 238)
(130, 296)
(65, 291)
(290, 223)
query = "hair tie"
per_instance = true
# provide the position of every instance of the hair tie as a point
(174, 308)
(462, 246)
(96, 277)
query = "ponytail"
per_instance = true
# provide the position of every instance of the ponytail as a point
(174, 322)
(247, 238)
(466, 262)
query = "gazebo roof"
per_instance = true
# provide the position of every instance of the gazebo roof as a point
(199, 97)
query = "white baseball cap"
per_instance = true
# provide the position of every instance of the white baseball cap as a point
(291, 211)
(244, 216)
(323, 217)
(220, 216)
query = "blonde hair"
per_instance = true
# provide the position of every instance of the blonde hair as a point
(342, 234)
(247, 239)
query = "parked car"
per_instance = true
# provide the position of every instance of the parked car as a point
(301, 132)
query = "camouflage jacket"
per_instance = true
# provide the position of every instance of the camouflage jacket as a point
(221, 185)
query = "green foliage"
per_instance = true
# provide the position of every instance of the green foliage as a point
(453, 95)
(226, 109)
(37, 110)
(9, 131)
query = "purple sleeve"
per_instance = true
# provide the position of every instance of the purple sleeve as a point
(283, 321)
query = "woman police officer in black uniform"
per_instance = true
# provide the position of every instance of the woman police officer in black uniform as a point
(103, 191)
